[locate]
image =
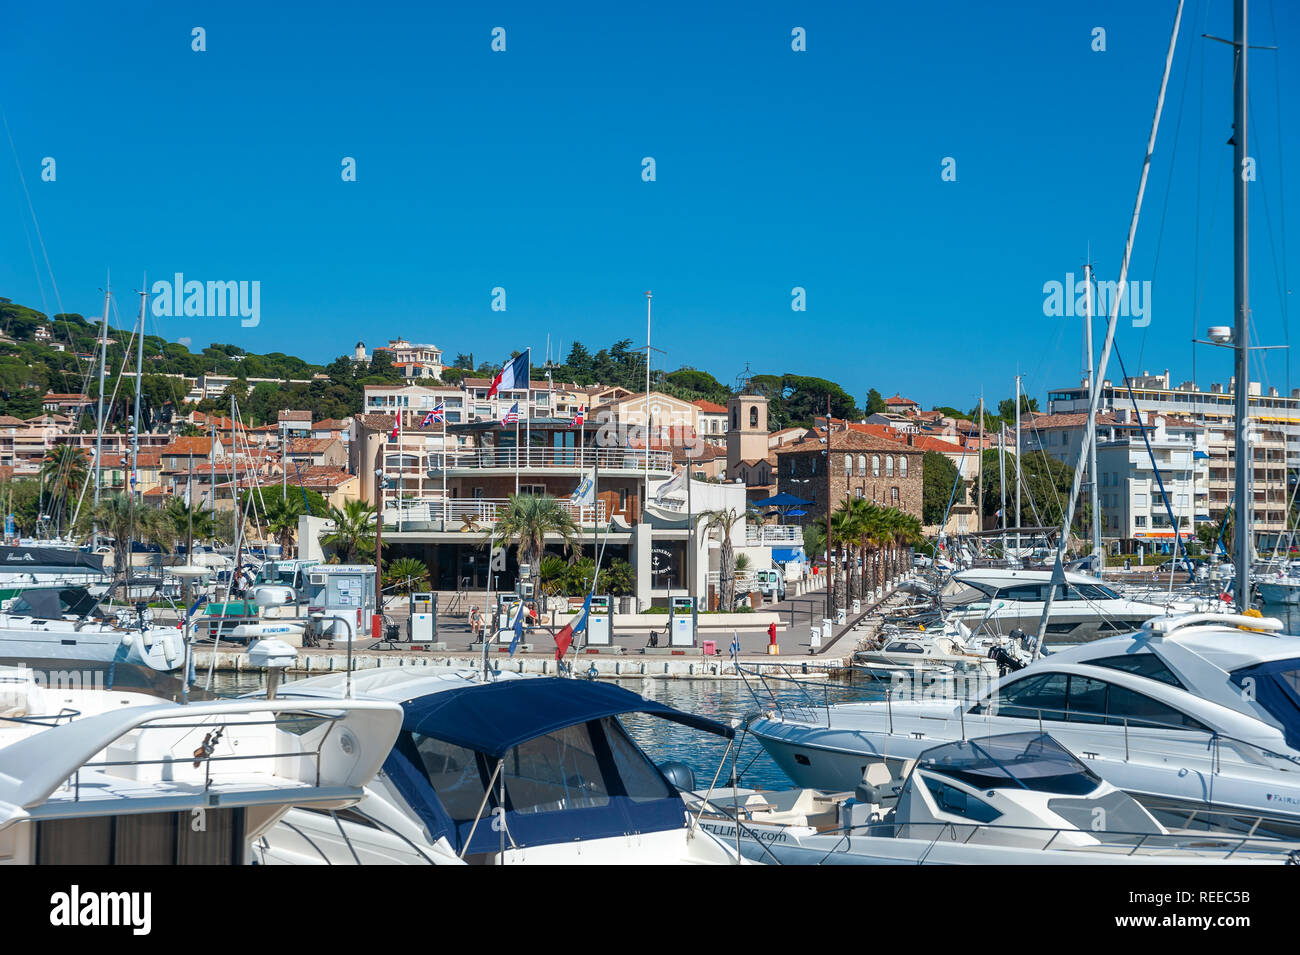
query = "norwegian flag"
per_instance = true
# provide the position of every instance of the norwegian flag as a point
(512, 416)
(397, 424)
(439, 413)
(579, 417)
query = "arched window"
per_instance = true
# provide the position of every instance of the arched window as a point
(889, 465)
(848, 465)
(862, 465)
(875, 465)
(753, 417)
(902, 465)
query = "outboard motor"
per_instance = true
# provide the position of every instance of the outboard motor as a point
(1005, 661)
(679, 774)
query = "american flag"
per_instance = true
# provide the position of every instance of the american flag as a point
(439, 413)
(512, 416)
(578, 417)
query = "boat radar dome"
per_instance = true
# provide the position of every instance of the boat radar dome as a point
(1220, 334)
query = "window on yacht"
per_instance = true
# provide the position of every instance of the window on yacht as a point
(901, 647)
(640, 780)
(454, 772)
(554, 772)
(952, 800)
(1023, 592)
(1141, 664)
(1276, 687)
(1125, 705)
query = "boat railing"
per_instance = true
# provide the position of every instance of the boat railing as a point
(1224, 844)
(297, 723)
(44, 720)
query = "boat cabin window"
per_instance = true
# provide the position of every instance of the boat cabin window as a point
(950, 799)
(900, 646)
(454, 772)
(554, 772)
(1141, 664)
(1023, 592)
(642, 782)
(1276, 687)
(52, 603)
(1079, 699)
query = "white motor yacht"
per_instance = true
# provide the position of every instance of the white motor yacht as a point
(1000, 600)
(1190, 714)
(109, 777)
(1016, 799)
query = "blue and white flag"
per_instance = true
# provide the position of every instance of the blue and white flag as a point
(518, 628)
(735, 645)
(585, 492)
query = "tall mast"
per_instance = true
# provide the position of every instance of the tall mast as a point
(99, 415)
(139, 368)
(646, 492)
(1091, 425)
(1018, 482)
(1002, 484)
(1241, 307)
(979, 494)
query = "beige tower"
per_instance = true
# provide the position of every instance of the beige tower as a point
(746, 430)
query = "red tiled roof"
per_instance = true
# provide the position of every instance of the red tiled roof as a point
(188, 445)
(899, 400)
(710, 406)
(310, 445)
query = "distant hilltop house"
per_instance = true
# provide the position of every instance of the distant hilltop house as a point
(415, 361)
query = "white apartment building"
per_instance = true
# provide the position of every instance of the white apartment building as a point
(1133, 511)
(1276, 441)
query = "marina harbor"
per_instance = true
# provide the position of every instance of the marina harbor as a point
(542, 436)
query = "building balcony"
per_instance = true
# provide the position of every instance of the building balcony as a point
(471, 514)
(612, 461)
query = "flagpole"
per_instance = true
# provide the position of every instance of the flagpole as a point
(444, 467)
(516, 455)
(528, 401)
(401, 467)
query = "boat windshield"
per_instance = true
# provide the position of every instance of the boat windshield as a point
(272, 573)
(1276, 687)
(53, 603)
(1032, 761)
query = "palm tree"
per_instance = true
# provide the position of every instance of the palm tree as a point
(724, 522)
(526, 522)
(188, 517)
(63, 471)
(844, 534)
(121, 518)
(353, 535)
(404, 573)
(282, 513)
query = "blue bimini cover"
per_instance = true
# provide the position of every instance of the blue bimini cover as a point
(569, 771)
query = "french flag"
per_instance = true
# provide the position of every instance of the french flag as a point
(514, 375)
(564, 638)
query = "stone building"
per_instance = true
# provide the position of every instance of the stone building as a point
(848, 464)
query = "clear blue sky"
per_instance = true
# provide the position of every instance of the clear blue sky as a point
(775, 169)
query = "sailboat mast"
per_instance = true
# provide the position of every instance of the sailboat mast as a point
(139, 369)
(1241, 307)
(1018, 481)
(99, 414)
(1091, 425)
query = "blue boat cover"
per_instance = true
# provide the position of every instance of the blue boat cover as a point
(494, 718)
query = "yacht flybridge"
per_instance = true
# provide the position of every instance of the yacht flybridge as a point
(1192, 714)
(524, 770)
(104, 777)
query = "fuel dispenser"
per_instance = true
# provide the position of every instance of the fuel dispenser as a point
(422, 624)
(600, 622)
(681, 623)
